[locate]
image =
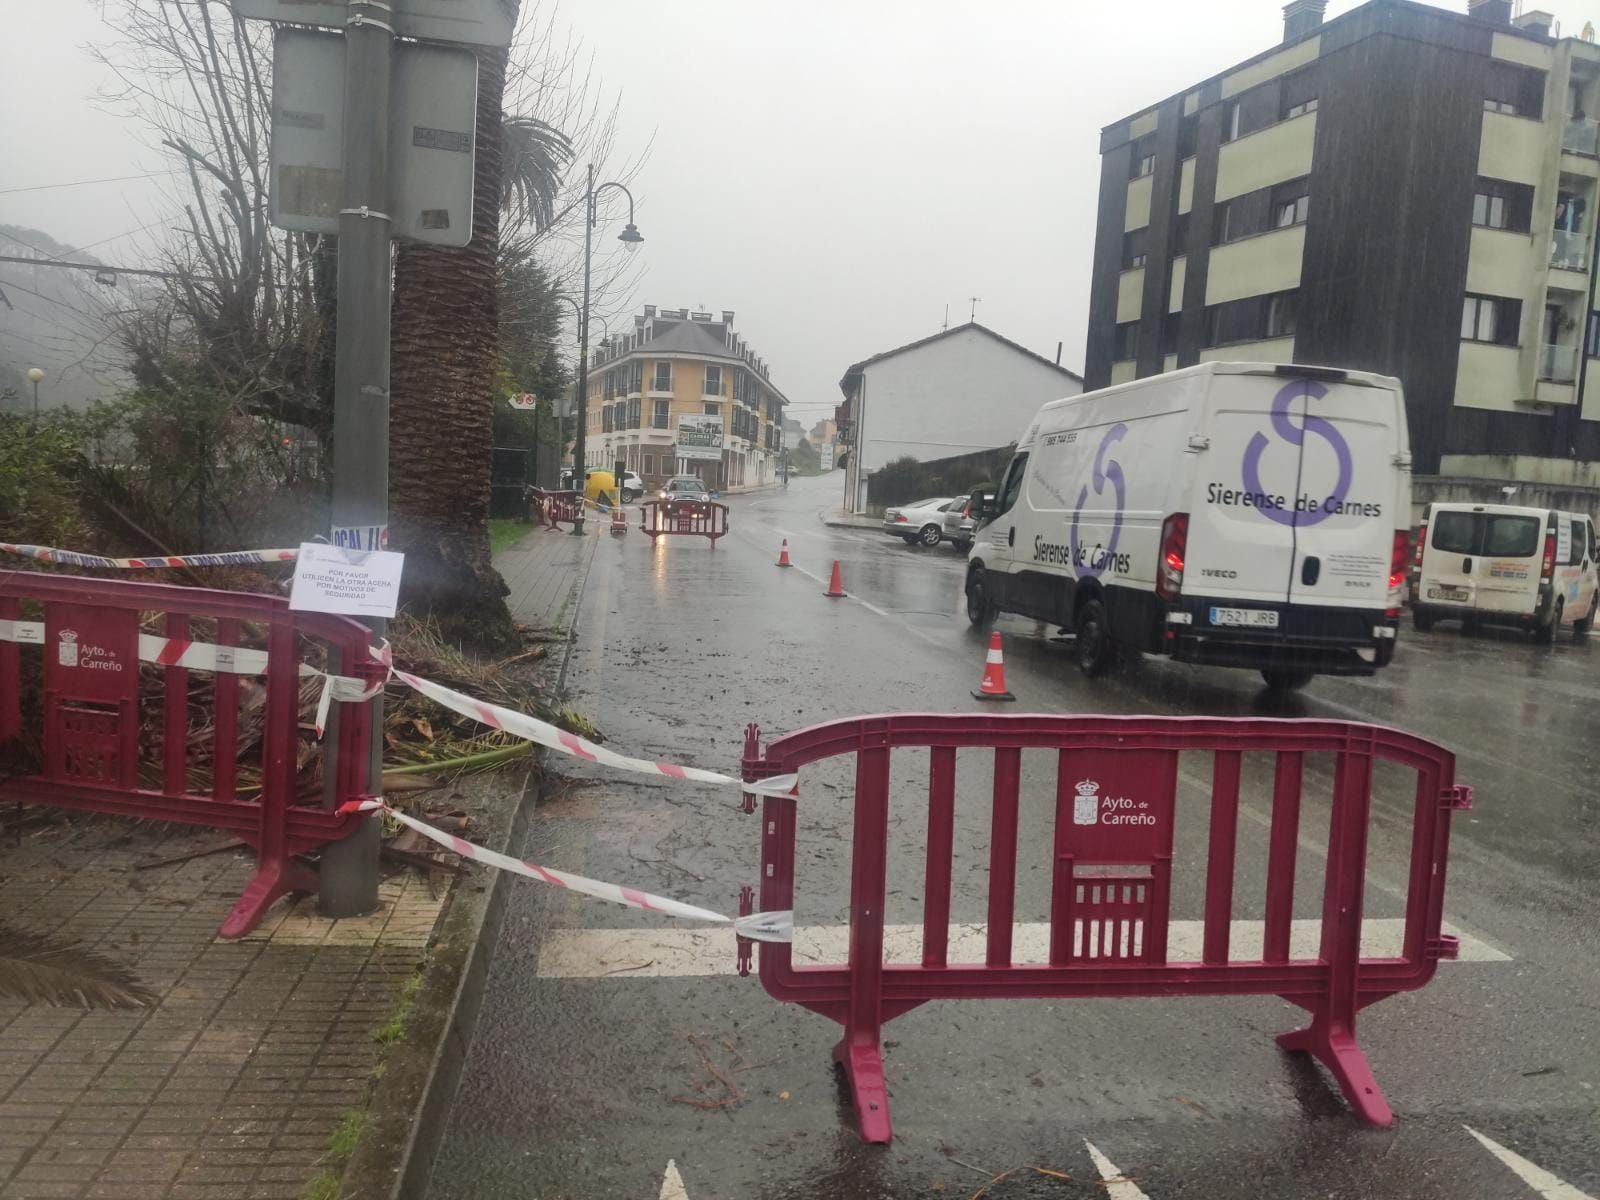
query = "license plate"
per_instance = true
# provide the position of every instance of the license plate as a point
(1447, 593)
(1247, 618)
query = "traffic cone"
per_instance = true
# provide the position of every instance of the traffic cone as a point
(783, 555)
(835, 585)
(993, 685)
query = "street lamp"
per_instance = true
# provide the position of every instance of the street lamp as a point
(631, 236)
(35, 374)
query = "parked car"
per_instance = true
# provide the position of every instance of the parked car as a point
(632, 486)
(685, 493)
(961, 518)
(1508, 565)
(920, 522)
(1231, 514)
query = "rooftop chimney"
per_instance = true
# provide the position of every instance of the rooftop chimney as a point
(1496, 12)
(727, 317)
(1536, 22)
(1301, 17)
(649, 310)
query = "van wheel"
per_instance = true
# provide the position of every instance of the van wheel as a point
(1287, 681)
(1545, 635)
(1581, 628)
(1421, 621)
(1094, 646)
(980, 609)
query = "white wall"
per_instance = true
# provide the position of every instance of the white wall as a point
(961, 393)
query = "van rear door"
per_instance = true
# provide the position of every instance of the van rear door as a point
(1344, 520)
(1241, 535)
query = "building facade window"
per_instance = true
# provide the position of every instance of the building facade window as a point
(713, 380)
(661, 415)
(1232, 122)
(1143, 164)
(713, 409)
(647, 464)
(1252, 319)
(1282, 309)
(662, 381)
(1292, 211)
(1300, 109)
(1591, 341)
(1126, 343)
(1491, 319)
(1515, 91)
(1501, 204)
(1489, 211)
(633, 412)
(1133, 248)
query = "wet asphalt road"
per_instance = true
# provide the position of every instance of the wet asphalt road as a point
(586, 1087)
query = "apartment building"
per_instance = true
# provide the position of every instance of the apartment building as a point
(1405, 189)
(684, 394)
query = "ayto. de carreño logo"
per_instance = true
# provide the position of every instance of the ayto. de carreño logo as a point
(70, 652)
(1089, 807)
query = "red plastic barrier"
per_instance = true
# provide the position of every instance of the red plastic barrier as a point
(663, 518)
(554, 507)
(95, 759)
(1114, 793)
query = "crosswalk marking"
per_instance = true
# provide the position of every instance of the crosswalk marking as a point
(670, 953)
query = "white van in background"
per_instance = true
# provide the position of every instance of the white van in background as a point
(1506, 565)
(1234, 514)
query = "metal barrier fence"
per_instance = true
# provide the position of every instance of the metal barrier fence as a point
(101, 755)
(664, 518)
(1114, 800)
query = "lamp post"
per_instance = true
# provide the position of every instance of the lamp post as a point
(631, 236)
(35, 375)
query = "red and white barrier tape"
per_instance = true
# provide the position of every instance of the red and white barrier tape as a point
(239, 660)
(545, 734)
(761, 926)
(71, 558)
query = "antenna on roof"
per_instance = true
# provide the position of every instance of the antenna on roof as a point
(946, 324)
(973, 315)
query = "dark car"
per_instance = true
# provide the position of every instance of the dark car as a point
(685, 493)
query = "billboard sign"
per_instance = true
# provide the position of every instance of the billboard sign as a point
(826, 454)
(699, 436)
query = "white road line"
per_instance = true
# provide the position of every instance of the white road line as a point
(1118, 1186)
(1541, 1181)
(672, 1184)
(671, 953)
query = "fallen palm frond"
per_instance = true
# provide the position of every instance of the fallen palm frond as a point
(37, 969)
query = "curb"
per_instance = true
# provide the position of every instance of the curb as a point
(411, 1109)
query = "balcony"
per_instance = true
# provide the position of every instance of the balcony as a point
(1581, 136)
(1558, 364)
(1569, 251)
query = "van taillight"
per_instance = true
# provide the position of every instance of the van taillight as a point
(1398, 554)
(1174, 545)
(1549, 567)
(1422, 537)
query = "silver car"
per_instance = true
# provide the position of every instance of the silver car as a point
(961, 522)
(920, 522)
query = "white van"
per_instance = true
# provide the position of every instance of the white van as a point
(1236, 514)
(1506, 565)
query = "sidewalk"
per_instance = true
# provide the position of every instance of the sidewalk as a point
(255, 1054)
(844, 520)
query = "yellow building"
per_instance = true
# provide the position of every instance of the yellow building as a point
(684, 394)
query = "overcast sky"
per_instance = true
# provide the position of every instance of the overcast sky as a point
(836, 172)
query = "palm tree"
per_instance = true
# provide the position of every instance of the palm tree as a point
(443, 359)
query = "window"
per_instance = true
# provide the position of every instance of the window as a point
(1510, 537)
(1133, 248)
(636, 377)
(713, 409)
(1013, 484)
(1180, 234)
(1231, 122)
(647, 464)
(1493, 319)
(1281, 312)
(1455, 532)
(713, 380)
(1591, 343)
(1170, 325)
(1188, 136)
(1142, 166)
(1292, 212)
(663, 378)
(1500, 106)
(1126, 343)
(1142, 158)
(1225, 222)
(1300, 109)
(1515, 91)
(1489, 211)
(633, 413)
(1580, 543)
(661, 415)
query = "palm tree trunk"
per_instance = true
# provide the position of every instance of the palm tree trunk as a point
(442, 367)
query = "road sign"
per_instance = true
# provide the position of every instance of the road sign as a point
(433, 107)
(478, 22)
(523, 400)
(826, 455)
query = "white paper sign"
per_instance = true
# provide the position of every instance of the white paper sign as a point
(359, 583)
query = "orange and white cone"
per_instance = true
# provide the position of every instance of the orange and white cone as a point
(783, 554)
(993, 685)
(835, 585)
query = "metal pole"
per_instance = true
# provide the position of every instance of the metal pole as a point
(349, 873)
(578, 473)
(35, 401)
